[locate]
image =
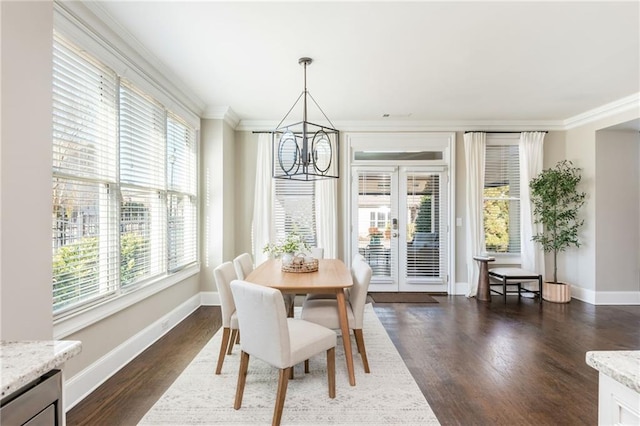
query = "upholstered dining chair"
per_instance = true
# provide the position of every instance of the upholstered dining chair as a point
(244, 265)
(317, 252)
(325, 311)
(282, 342)
(357, 258)
(223, 275)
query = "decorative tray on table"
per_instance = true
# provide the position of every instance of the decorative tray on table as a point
(301, 264)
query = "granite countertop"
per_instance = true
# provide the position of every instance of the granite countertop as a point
(622, 366)
(21, 362)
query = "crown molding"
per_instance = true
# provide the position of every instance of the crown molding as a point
(100, 21)
(616, 107)
(222, 113)
(420, 126)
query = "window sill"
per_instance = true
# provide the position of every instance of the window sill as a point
(67, 325)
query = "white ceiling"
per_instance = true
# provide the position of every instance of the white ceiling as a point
(435, 62)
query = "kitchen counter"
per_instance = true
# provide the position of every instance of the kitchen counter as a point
(618, 386)
(22, 362)
(622, 366)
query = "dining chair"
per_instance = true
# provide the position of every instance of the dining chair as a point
(269, 335)
(325, 311)
(317, 252)
(357, 258)
(223, 275)
(244, 265)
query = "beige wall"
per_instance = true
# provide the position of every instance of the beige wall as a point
(578, 266)
(618, 210)
(25, 251)
(218, 192)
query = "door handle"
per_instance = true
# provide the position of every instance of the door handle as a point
(394, 235)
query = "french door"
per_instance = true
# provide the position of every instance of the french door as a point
(400, 226)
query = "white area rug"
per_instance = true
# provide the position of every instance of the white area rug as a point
(388, 395)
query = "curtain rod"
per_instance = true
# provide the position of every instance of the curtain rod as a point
(488, 131)
(468, 131)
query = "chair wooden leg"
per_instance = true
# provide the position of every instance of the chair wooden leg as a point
(234, 336)
(242, 379)
(238, 338)
(282, 393)
(306, 366)
(290, 312)
(331, 371)
(223, 348)
(363, 352)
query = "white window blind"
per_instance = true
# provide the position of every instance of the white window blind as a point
(142, 177)
(142, 139)
(502, 199)
(182, 183)
(427, 245)
(84, 172)
(374, 196)
(124, 184)
(294, 209)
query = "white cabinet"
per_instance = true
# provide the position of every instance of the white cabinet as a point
(618, 386)
(617, 404)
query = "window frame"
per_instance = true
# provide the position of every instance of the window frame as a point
(68, 321)
(505, 139)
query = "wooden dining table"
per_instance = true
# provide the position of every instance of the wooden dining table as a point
(332, 276)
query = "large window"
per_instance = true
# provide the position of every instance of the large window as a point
(124, 183)
(502, 197)
(294, 209)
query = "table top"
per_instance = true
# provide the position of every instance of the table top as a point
(331, 275)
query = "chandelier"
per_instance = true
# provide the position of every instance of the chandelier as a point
(305, 151)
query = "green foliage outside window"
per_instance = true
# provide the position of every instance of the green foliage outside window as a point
(76, 265)
(424, 217)
(496, 219)
(132, 257)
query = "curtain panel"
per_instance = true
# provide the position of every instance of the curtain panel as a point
(474, 147)
(262, 225)
(531, 159)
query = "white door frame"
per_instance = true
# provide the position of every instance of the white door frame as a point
(442, 142)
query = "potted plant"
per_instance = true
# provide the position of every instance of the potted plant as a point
(292, 245)
(556, 203)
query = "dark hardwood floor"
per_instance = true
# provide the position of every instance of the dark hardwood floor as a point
(476, 363)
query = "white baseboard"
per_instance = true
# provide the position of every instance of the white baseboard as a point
(618, 298)
(459, 289)
(82, 384)
(210, 298)
(605, 297)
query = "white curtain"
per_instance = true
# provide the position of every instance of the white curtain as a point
(262, 225)
(474, 148)
(327, 216)
(531, 152)
(326, 199)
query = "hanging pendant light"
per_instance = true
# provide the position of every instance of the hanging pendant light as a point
(303, 150)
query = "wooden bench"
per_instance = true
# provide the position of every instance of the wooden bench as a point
(515, 276)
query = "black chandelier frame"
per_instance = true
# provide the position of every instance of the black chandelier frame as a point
(305, 151)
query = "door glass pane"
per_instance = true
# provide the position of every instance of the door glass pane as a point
(423, 225)
(374, 226)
